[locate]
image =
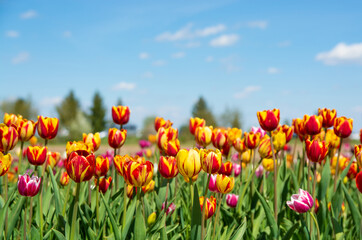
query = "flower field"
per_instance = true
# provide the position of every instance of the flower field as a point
(273, 181)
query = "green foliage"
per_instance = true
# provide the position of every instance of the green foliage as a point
(21, 106)
(231, 118)
(202, 110)
(97, 114)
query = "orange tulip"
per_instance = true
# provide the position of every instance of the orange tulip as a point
(92, 140)
(167, 166)
(316, 150)
(343, 127)
(80, 165)
(312, 124)
(269, 119)
(36, 155)
(195, 123)
(210, 206)
(120, 114)
(8, 138)
(328, 116)
(116, 137)
(210, 160)
(47, 127)
(160, 122)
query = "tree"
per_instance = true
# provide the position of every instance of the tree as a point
(21, 106)
(148, 126)
(231, 118)
(97, 114)
(201, 110)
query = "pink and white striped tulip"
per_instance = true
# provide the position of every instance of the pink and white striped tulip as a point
(232, 200)
(301, 202)
(28, 186)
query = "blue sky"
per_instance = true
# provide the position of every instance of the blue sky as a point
(160, 56)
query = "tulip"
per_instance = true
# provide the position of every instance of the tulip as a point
(10, 119)
(102, 166)
(298, 125)
(233, 134)
(121, 163)
(116, 137)
(269, 119)
(8, 138)
(130, 191)
(93, 140)
(312, 124)
(64, 179)
(279, 139)
(80, 165)
(332, 139)
(259, 171)
(246, 156)
(352, 171)
(359, 181)
(212, 183)
(151, 218)
(301, 202)
(237, 169)
(328, 116)
(232, 200)
(77, 145)
(120, 114)
(226, 168)
(239, 145)
(171, 208)
(36, 155)
(104, 184)
(219, 138)
(224, 183)
(152, 138)
(258, 130)
(358, 154)
(188, 163)
(160, 122)
(5, 163)
(53, 159)
(149, 187)
(288, 131)
(268, 164)
(203, 135)
(265, 150)
(195, 123)
(342, 163)
(316, 150)
(47, 127)
(171, 148)
(252, 139)
(139, 173)
(26, 129)
(167, 166)
(28, 186)
(210, 206)
(343, 127)
(144, 143)
(210, 160)
(33, 140)
(165, 135)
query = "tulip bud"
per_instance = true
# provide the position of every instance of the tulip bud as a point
(26, 130)
(232, 200)
(102, 166)
(298, 125)
(226, 168)
(149, 187)
(188, 163)
(312, 124)
(224, 183)
(195, 123)
(167, 166)
(151, 218)
(212, 183)
(265, 150)
(93, 140)
(210, 160)
(332, 139)
(279, 139)
(268, 164)
(53, 159)
(10, 119)
(328, 116)
(160, 122)
(219, 138)
(252, 139)
(28, 187)
(203, 135)
(80, 165)
(64, 179)
(36, 155)
(5, 163)
(139, 172)
(316, 150)
(8, 138)
(120, 114)
(116, 137)
(269, 119)
(301, 202)
(104, 184)
(239, 145)
(130, 191)
(210, 204)
(47, 127)
(343, 127)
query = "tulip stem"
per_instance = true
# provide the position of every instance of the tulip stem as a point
(6, 198)
(167, 187)
(41, 199)
(203, 211)
(316, 224)
(97, 202)
(309, 167)
(219, 198)
(275, 180)
(337, 166)
(294, 150)
(66, 197)
(192, 192)
(75, 211)
(25, 208)
(31, 212)
(252, 156)
(241, 171)
(20, 157)
(124, 204)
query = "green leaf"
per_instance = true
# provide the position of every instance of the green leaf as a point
(269, 216)
(239, 234)
(58, 234)
(3, 211)
(337, 200)
(326, 175)
(354, 210)
(129, 218)
(56, 192)
(139, 226)
(111, 217)
(196, 216)
(14, 215)
(290, 232)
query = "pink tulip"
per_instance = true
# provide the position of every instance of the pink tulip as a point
(171, 208)
(259, 171)
(258, 130)
(301, 202)
(232, 200)
(235, 157)
(144, 143)
(28, 186)
(212, 183)
(237, 169)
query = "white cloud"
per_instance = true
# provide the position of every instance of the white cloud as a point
(67, 34)
(21, 57)
(247, 91)
(342, 53)
(124, 86)
(230, 63)
(159, 63)
(147, 75)
(51, 101)
(28, 14)
(273, 70)
(12, 34)
(144, 55)
(284, 44)
(258, 24)
(209, 59)
(224, 40)
(187, 32)
(178, 55)
(192, 44)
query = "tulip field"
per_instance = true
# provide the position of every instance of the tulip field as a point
(272, 181)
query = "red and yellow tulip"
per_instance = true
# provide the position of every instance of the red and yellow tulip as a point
(239, 145)
(312, 124)
(36, 155)
(358, 154)
(288, 131)
(188, 163)
(53, 159)
(252, 139)
(104, 184)
(265, 150)
(47, 127)
(121, 163)
(5, 163)
(26, 129)
(219, 138)
(116, 137)
(64, 179)
(8, 138)
(269, 119)
(195, 123)
(332, 139)
(102, 166)
(210, 160)
(210, 206)
(139, 172)
(233, 134)
(77, 145)
(298, 125)
(328, 116)
(80, 165)
(120, 114)
(149, 187)
(203, 135)
(167, 166)
(316, 150)
(93, 140)
(11, 119)
(160, 122)
(226, 168)
(224, 183)
(343, 127)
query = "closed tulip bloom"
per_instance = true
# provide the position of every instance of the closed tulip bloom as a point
(258, 130)
(93, 140)
(80, 165)
(5, 163)
(269, 119)
(8, 138)
(165, 135)
(33, 141)
(352, 171)
(298, 125)
(301, 202)
(219, 138)
(26, 129)
(268, 164)
(252, 139)
(279, 139)
(53, 159)
(210, 206)
(247, 156)
(152, 138)
(28, 186)
(130, 190)
(328, 116)
(226, 168)
(224, 183)
(120, 162)
(358, 154)
(259, 171)
(160, 122)
(232, 200)
(47, 127)
(36, 155)
(359, 181)
(212, 183)
(195, 123)
(151, 218)
(102, 166)
(10, 119)
(104, 184)
(288, 131)
(188, 163)
(77, 145)
(239, 145)
(149, 187)
(210, 160)
(343, 127)
(171, 208)
(64, 179)
(140, 172)
(312, 124)
(237, 169)
(332, 139)
(167, 167)
(120, 114)
(316, 150)
(116, 137)
(171, 148)
(144, 143)
(203, 135)
(233, 134)
(265, 150)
